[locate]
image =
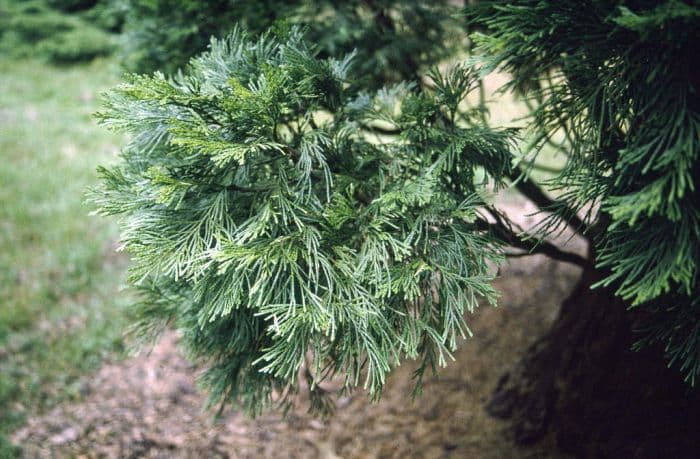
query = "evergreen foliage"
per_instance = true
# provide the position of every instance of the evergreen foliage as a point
(34, 28)
(618, 86)
(393, 39)
(268, 219)
(164, 34)
(72, 6)
(285, 212)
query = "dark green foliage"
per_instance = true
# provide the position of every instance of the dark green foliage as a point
(107, 15)
(32, 28)
(76, 45)
(621, 82)
(72, 6)
(393, 39)
(270, 222)
(165, 34)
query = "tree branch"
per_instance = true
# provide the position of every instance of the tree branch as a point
(506, 234)
(534, 193)
(380, 130)
(245, 189)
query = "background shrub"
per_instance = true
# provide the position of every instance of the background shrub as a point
(393, 39)
(34, 28)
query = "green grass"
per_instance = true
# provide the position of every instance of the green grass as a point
(60, 310)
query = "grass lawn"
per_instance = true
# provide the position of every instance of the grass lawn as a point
(60, 311)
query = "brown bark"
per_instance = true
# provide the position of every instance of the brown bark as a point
(582, 383)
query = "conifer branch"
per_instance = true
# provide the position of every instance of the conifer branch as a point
(531, 245)
(380, 130)
(340, 268)
(537, 196)
(248, 189)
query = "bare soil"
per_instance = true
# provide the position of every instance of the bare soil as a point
(149, 406)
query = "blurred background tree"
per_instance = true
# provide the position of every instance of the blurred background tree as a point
(40, 28)
(394, 39)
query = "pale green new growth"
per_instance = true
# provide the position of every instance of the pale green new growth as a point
(270, 219)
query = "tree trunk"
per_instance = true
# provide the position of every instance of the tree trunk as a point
(582, 383)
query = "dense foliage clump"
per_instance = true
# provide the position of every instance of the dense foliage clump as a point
(393, 39)
(271, 221)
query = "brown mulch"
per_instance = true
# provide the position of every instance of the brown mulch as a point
(149, 406)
